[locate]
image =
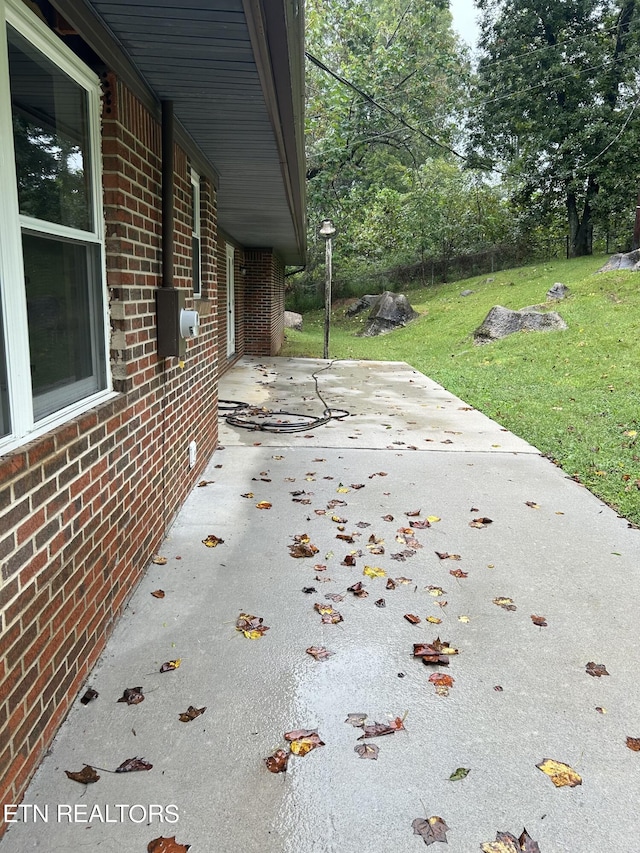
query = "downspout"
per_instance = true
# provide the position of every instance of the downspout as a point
(167, 192)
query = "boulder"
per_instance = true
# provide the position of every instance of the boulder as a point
(501, 322)
(364, 303)
(466, 292)
(293, 320)
(558, 291)
(390, 311)
(623, 261)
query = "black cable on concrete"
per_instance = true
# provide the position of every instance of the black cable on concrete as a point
(246, 416)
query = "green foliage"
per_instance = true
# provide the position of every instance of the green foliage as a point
(556, 93)
(572, 394)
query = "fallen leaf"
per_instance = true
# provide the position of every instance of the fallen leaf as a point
(444, 555)
(391, 584)
(204, 483)
(433, 518)
(374, 572)
(532, 504)
(505, 603)
(85, 776)
(387, 517)
(309, 589)
(166, 845)
(277, 763)
(458, 573)
(460, 773)
(357, 485)
(435, 591)
(367, 750)
(334, 596)
(601, 710)
(303, 549)
(414, 513)
(498, 688)
(378, 474)
(480, 522)
(170, 665)
(319, 652)
(158, 593)
(377, 730)
(358, 590)
(540, 621)
(132, 696)
(212, 541)
(263, 505)
(434, 620)
(380, 603)
(247, 495)
(634, 743)
(430, 830)
(423, 524)
(342, 490)
(356, 720)
(415, 620)
(507, 843)
(303, 741)
(250, 626)
(363, 524)
(596, 669)
(191, 713)
(345, 537)
(158, 560)
(560, 774)
(464, 619)
(349, 560)
(89, 695)
(133, 764)
(404, 580)
(442, 682)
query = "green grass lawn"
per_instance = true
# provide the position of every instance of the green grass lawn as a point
(573, 394)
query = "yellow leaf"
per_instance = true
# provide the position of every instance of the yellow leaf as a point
(247, 495)
(630, 432)
(252, 635)
(434, 620)
(559, 773)
(373, 572)
(343, 490)
(435, 590)
(433, 518)
(463, 619)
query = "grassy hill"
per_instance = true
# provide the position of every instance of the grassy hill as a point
(574, 394)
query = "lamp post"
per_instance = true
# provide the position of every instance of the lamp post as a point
(327, 230)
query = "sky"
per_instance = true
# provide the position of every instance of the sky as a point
(464, 20)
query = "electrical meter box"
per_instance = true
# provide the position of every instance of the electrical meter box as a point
(176, 325)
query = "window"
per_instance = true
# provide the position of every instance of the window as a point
(53, 337)
(196, 234)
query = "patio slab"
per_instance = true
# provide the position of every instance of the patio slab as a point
(551, 547)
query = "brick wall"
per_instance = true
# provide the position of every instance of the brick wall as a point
(83, 507)
(264, 300)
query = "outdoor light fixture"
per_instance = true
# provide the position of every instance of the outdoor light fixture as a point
(327, 230)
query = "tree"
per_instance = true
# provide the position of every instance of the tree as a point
(557, 89)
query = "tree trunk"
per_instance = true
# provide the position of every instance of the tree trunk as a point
(581, 227)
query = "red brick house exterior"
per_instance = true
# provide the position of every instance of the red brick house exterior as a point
(91, 478)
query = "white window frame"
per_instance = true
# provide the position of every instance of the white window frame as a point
(196, 235)
(12, 288)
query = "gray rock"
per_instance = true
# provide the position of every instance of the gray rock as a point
(558, 291)
(501, 322)
(624, 261)
(390, 311)
(293, 320)
(364, 303)
(466, 292)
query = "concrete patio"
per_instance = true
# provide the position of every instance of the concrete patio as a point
(521, 693)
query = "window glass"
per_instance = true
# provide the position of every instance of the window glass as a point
(50, 133)
(65, 328)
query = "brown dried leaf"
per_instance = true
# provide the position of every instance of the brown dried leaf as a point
(507, 843)
(166, 845)
(442, 682)
(191, 713)
(391, 584)
(309, 589)
(367, 750)
(444, 555)
(251, 626)
(204, 483)
(422, 524)
(89, 695)
(458, 573)
(414, 513)
(380, 603)
(319, 652)
(334, 596)
(85, 776)
(277, 763)
(345, 537)
(303, 741)
(349, 560)
(410, 617)
(596, 669)
(560, 774)
(633, 743)
(170, 665)
(302, 549)
(505, 603)
(540, 621)
(158, 593)
(430, 830)
(133, 764)
(480, 522)
(263, 505)
(532, 504)
(378, 474)
(377, 730)
(132, 696)
(387, 517)
(358, 590)
(356, 720)
(158, 560)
